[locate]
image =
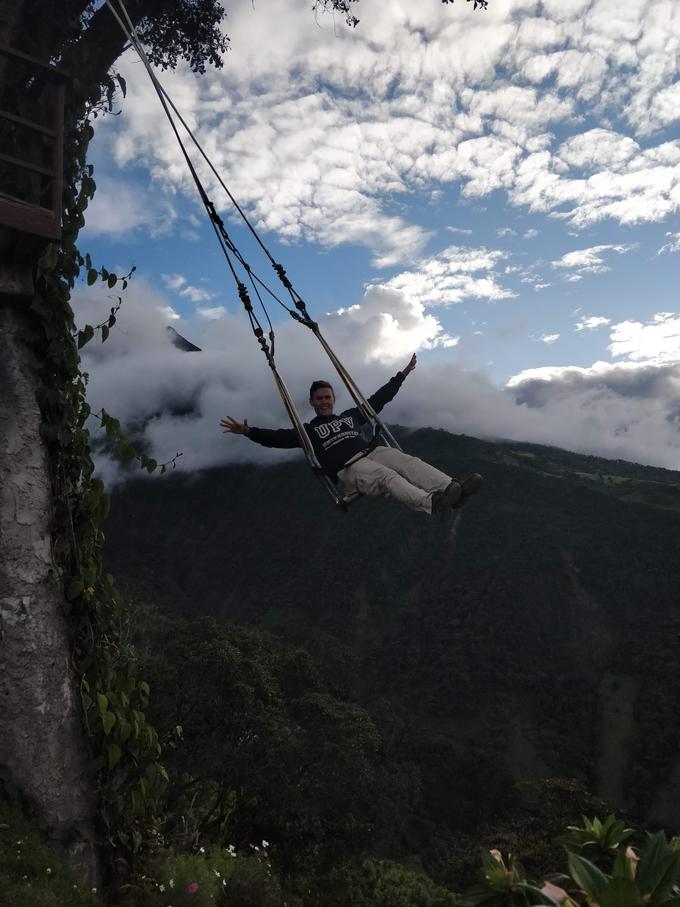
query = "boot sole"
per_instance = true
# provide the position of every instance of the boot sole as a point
(450, 498)
(469, 486)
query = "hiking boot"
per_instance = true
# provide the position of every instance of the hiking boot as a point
(444, 501)
(469, 485)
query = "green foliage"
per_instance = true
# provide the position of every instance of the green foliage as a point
(381, 883)
(266, 749)
(484, 660)
(596, 838)
(125, 747)
(124, 449)
(186, 30)
(30, 873)
(504, 885)
(206, 879)
(632, 880)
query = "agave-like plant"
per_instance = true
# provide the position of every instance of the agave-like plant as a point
(595, 836)
(648, 879)
(504, 885)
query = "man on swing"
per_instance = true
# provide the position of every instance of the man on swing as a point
(358, 465)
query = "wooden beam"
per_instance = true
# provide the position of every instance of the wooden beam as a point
(29, 124)
(34, 61)
(29, 218)
(26, 165)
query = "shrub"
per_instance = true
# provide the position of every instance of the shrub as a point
(30, 872)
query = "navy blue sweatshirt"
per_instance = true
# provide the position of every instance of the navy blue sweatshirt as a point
(336, 439)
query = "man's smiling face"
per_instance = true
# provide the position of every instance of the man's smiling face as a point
(322, 401)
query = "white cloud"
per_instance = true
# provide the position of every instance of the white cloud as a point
(120, 208)
(455, 274)
(388, 324)
(168, 312)
(656, 341)
(624, 410)
(173, 281)
(673, 244)
(647, 190)
(197, 294)
(592, 322)
(590, 261)
(210, 313)
(548, 338)
(530, 233)
(595, 149)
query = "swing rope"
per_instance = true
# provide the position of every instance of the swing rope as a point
(299, 313)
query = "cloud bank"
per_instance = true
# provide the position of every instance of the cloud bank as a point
(174, 400)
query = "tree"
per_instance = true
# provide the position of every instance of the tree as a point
(58, 613)
(52, 594)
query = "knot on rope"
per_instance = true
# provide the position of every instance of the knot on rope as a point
(301, 307)
(216, 219)
(280, 270)
(265, 349)
(244, 297)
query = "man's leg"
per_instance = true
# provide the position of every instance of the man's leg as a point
(415, 471)
(370, 477)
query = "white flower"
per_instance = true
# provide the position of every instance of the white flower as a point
(217, 873)
(201, 849)
(171, 883)
(265, 844)
(161, 887)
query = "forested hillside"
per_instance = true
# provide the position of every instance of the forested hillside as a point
(536, 639)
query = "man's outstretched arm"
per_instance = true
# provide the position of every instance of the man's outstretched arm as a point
(388, 391)
(268, 437)
(231, 426)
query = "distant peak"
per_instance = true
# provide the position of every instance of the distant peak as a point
(181, 342)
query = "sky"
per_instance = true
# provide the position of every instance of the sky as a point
(497, 190)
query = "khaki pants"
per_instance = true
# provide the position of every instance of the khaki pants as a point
(390, 473)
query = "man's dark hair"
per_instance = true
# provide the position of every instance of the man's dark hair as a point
(318, 384)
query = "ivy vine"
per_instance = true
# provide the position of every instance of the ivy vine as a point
(125, 747)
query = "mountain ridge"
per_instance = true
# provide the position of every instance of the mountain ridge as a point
(538, 639)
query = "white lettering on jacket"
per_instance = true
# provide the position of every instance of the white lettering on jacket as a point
(332, 428)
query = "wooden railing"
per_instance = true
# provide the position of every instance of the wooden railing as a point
(31, 144)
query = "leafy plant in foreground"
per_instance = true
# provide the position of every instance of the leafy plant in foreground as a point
(650, 877)
(595, 837)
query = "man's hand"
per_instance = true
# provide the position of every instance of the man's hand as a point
(233, 427)
(410, 366)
